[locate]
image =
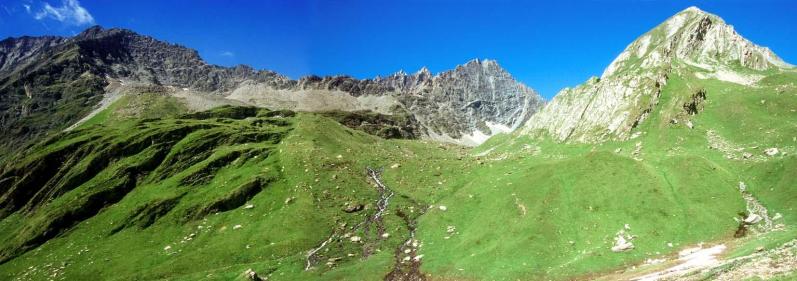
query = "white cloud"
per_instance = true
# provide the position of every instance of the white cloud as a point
(27, 8)
(227, 54)
(69, 13)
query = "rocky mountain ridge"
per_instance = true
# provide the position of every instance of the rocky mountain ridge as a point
(692, 43)
(464, 105)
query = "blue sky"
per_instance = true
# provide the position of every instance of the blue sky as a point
(546, 45)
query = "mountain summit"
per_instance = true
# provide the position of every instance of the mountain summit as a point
(690, 43)
(696, 38)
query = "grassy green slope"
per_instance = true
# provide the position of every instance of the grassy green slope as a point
(184, 183)
(551, 211)
(515, 208)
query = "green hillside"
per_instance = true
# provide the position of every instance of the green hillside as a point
(209, 195)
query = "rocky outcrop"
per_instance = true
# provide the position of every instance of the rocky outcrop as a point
(691, 43)
(464, 105)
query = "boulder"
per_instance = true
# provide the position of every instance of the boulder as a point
(752, 219)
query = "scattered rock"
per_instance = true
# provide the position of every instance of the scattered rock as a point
(352, 207)
(450, 229)
(654, 261)
(385, 235)
(442, 208)
(396, 165)
(250, 274)
(622, 245)
(355, 239)
(747, 155)
(622, 242)
(752, 219)
(167, 248)
(237, 226)
(249, 206)
(289, 200)
(689, 124)
(772, 151)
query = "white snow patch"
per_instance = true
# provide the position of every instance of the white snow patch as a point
(692, 259)
(496, 128)
(475, 138)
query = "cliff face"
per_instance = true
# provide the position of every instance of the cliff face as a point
(691, 43)
(464, 105)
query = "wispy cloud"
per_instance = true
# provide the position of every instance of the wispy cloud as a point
(227, 54)
(70, 13)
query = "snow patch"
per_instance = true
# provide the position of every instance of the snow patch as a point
(692, 259)
(475, 138)
(497, 128)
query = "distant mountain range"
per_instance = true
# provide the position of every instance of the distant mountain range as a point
(464, 105)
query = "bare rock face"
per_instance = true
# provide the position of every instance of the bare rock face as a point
(692, 41)
(465, 105)
(14, 51)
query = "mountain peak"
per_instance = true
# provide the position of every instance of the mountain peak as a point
(691, 43)
(424, 71)
(692, 9)
(694, 37)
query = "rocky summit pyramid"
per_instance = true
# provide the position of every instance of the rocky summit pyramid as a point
(691, 43)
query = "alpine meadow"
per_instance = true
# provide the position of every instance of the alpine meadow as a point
(126, 157)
